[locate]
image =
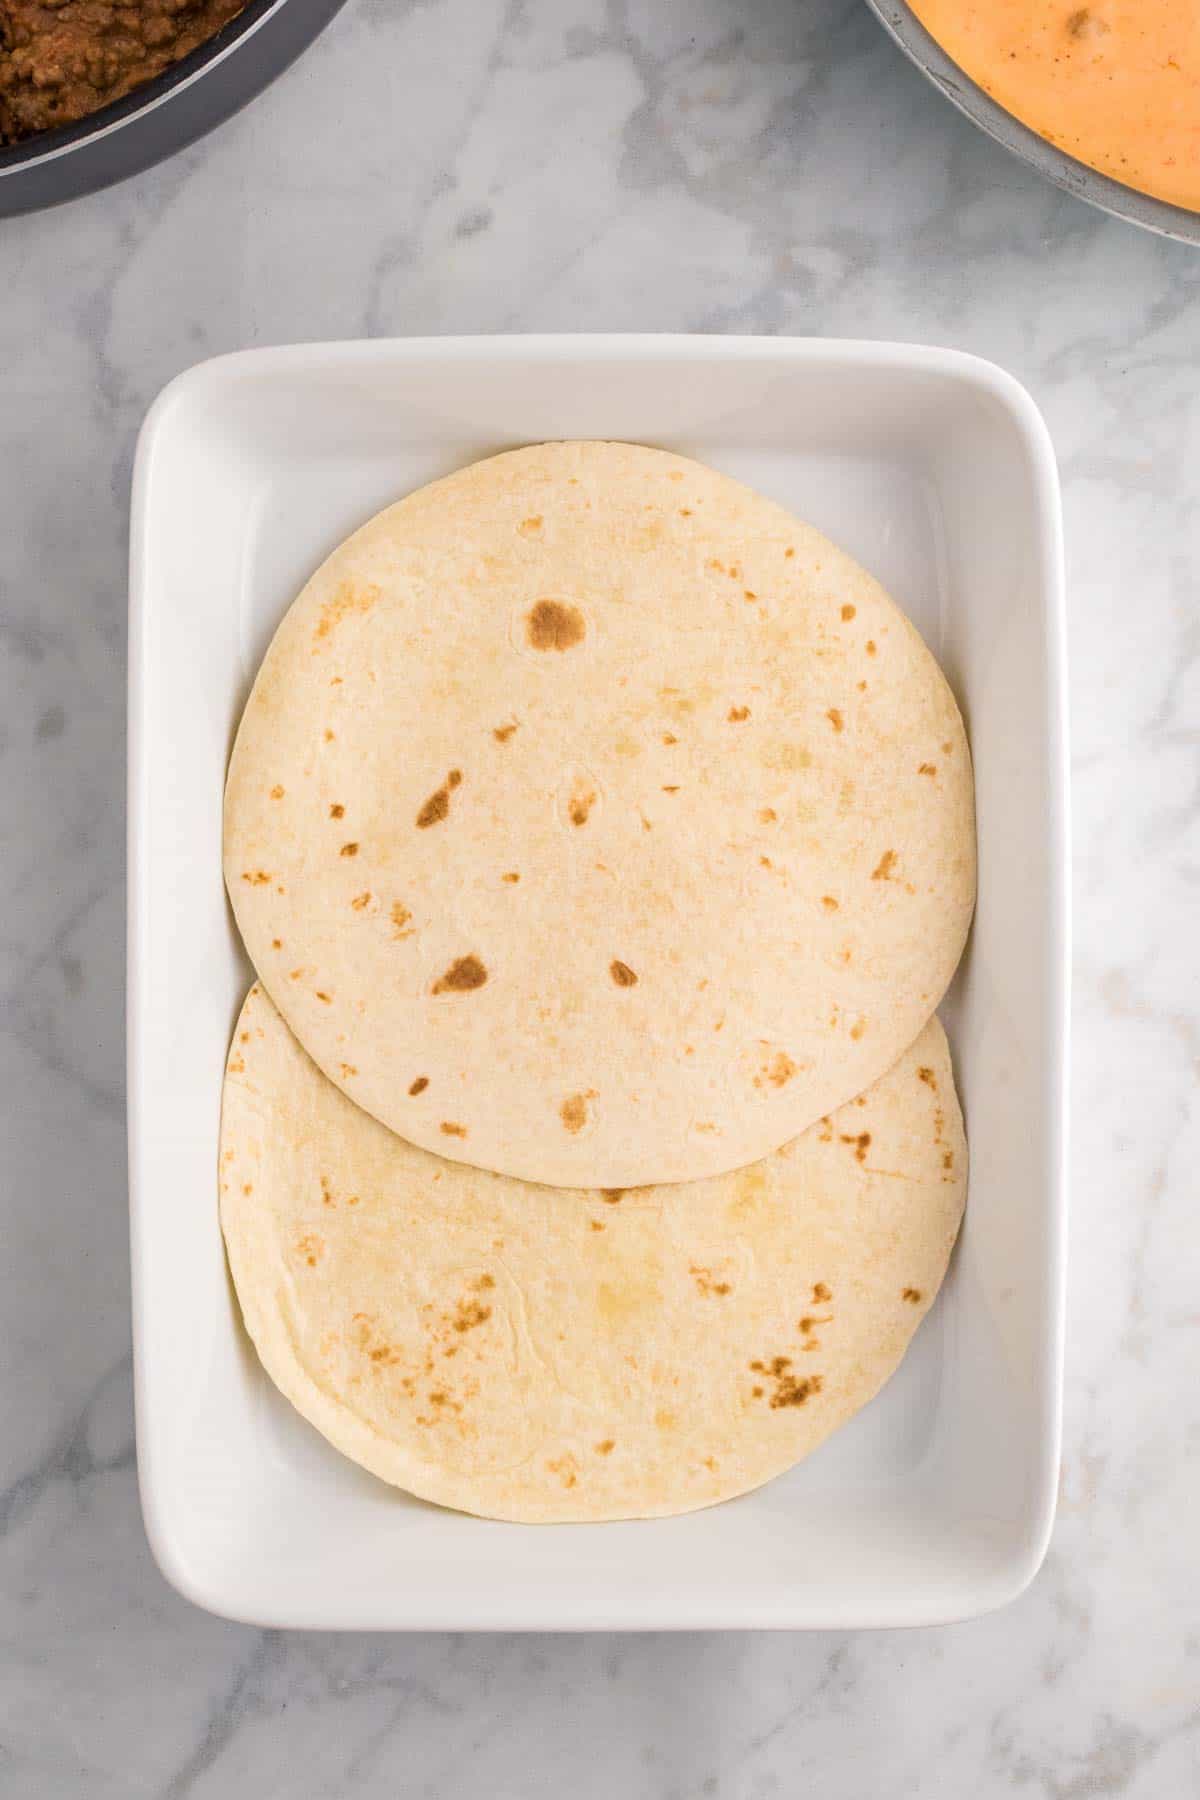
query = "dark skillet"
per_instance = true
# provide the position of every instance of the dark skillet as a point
(201, 90)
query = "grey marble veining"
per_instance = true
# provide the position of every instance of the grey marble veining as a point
(476, 165)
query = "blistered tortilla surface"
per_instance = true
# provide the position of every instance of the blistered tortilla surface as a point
(540, 1354)
(594, 821)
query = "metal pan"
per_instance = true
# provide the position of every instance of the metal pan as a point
(201, 90)
(1086, 184)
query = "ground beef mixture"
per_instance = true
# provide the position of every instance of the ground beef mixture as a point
(62, 59)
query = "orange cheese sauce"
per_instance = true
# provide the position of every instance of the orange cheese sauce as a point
(1115, 83)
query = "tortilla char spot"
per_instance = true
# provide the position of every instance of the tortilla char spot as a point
(511, 876)
(927, 769)
(948, 1159)
(883, 868)
(574, 1111)
(862, 1143)
(552, 625)
(311, 1248)
(789, 552)
(400, 917)
(870, 646)
(829, 903)
(531, 527)
(337, 811)
(737, 714)
(348, 1070)
(928, 1077)
(349, 850)
(321, 995)
(328, 735)
(470, 1314)
(669, 737)
(581, 800)
(418, 1086)
(437, 807)
(858, 1029)
(848, 612)
(347, 601)
(360, 901)
(464, 974)
(835, 719)
(277, 792)
(794, 1390)
(790, 1390)
(605, 1446)
(767, 815)
(703, 1278)
(502, 733)
(912, 1295)
(566, 1468)
(256, 877)
(595, 1225)
(780, 1069)
(821, 1293)
(622, 974)
(449, 1129)
(665, 1419)
(277, 943)
(947, 749)
(611, 1196)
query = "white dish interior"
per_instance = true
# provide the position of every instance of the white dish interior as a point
(934, 470)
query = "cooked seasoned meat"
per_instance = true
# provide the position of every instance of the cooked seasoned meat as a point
(63, 59)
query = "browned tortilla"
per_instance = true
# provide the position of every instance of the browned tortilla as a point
(595, 821)
(544, 1354)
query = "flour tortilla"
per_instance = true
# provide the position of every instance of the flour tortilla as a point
(545, 1354)
(594, 821)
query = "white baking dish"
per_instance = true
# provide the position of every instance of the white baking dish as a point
(935, 470)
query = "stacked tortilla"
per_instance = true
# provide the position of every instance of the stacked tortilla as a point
(603, 841)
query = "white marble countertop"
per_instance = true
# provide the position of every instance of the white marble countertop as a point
(503, 165)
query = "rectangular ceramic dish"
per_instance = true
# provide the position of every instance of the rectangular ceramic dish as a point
(934, 470)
